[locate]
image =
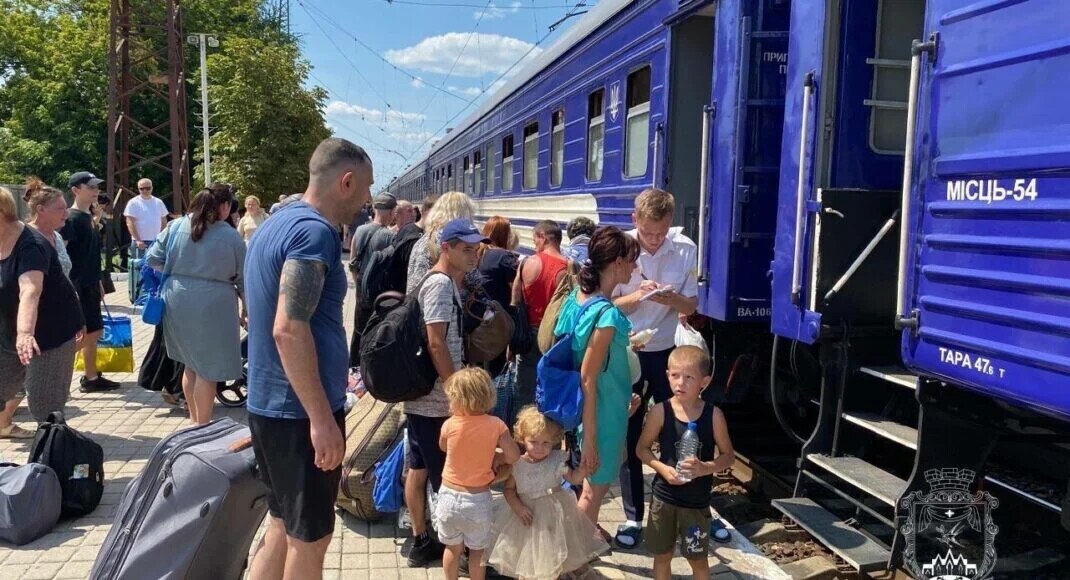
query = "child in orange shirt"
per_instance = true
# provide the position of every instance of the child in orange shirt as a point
(470, 437)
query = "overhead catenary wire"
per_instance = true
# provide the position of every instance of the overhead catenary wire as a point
(504, 74)
(309, 8)
(458, 59)
(513, 6)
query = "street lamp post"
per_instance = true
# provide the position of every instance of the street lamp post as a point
(204, 41)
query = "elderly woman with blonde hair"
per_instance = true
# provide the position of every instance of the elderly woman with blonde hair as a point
(41, 319)
(448, 207)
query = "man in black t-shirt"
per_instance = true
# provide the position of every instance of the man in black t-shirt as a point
(82, 234)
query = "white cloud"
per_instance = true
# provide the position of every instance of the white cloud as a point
(416, 83)
(494, 12)
(410, 138)
(485, 53)
(470, 92)
(473, 92)
(390, 117)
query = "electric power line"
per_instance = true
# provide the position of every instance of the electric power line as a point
(513, 6)
(458, 59)
(309, 7)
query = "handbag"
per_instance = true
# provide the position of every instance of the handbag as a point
(152, 313)
(504, 388)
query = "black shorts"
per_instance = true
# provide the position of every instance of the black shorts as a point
(302, 495)
(90, 299)
(424, 452)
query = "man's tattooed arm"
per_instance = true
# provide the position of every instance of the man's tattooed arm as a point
(301, 286)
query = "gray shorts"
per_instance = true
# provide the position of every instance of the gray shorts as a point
(45, 382)
(463, 518)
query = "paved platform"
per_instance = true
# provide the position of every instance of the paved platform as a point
(129, 422)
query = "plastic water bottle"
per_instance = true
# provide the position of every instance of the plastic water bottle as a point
(687, 448)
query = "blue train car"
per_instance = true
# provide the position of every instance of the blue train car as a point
(686, 96)
(922, 212)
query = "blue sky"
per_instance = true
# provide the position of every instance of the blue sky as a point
(387, 65)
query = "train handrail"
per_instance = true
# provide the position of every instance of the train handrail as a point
(903, 318)
(800, 192)
(657, 156)
(703, 192)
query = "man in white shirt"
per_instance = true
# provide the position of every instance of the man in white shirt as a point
(667, 261)
(146, 217)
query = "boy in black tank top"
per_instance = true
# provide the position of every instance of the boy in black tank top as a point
(680, 508)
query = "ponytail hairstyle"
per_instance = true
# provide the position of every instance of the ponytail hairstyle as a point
(607, 244)
(204, 210)
(39, 195)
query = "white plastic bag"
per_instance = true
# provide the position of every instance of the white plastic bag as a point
(687, 336)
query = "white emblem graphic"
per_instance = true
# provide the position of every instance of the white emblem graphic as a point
(957, 522)
(614, 101)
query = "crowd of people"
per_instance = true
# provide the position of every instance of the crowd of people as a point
(281, 276)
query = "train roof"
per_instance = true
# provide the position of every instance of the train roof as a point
(598, 15)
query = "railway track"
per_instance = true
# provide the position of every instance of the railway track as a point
(1028, 546)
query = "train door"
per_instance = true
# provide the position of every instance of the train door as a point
(985, 278)
(841, 167)
(724, 146)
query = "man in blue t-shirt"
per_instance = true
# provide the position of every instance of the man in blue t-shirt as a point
(294, 287)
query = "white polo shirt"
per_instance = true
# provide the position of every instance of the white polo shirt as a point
(147, 214)
(674, 263)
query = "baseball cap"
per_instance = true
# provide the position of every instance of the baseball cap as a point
(385, 201)
(82, 178)
(464, 230)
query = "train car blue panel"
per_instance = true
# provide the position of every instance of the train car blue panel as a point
(792, 315)
(989, 275)
(744, 152)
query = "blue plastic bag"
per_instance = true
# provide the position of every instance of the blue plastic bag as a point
(388, 493)
(558, 392)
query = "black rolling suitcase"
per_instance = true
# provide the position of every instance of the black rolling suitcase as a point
(192, 513)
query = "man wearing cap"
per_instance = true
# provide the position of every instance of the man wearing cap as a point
(83, 245)
(367, 239)
(440, 301)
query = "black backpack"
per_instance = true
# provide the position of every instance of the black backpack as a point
(76, 459)
(388, 268)
(395, 361)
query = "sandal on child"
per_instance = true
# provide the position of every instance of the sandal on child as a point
(719, 531)
(628, 536)
(13, 431)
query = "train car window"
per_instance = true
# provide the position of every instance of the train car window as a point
(477, 172)
(491, 166)
(449, 177)
(507, 163)
(596, 132)
(557, 147)
(637, 133)
(467, 176)
(898, 23)
(531, 156)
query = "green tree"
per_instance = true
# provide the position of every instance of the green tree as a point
(53, 94)
(267, 122)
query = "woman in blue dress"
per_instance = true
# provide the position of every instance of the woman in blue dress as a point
(600, 349)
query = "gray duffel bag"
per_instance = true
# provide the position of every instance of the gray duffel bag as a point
(30, 499)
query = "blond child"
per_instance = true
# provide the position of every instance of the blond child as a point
(679, 509)
(469, 438)
(542, 533)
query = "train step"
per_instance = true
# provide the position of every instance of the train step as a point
(904, 435)
(863, 475)
(893, 374)
(854, 547)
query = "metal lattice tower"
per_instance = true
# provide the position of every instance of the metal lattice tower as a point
(147, 98)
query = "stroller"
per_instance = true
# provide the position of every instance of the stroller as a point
(164, 375)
